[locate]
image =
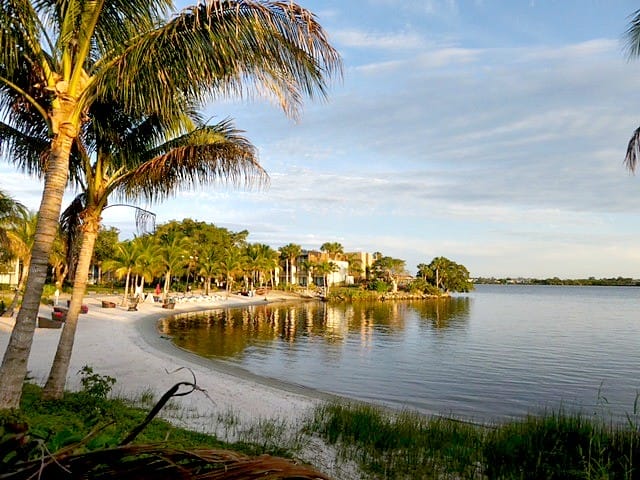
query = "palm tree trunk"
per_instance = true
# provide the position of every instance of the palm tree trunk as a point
(126, 287)
(14, 363)
(54, 388)
(167, 284)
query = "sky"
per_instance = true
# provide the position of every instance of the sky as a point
(491, 132)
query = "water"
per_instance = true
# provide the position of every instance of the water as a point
(497, 353)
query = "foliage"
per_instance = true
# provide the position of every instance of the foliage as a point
(409, 445)
(333, 249)
(95, 385)
(400, 446)
(446, 275)
(379, 286)
(105, 247)
(422, 286)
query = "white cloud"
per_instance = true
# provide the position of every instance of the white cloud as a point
(378, 40)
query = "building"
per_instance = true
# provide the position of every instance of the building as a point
(10, 273)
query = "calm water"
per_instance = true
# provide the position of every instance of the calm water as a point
(501, 351)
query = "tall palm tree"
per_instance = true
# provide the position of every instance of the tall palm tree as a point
(325, 269)
(172, 254)
(142, 168)
(59, 57)
(209, 266)
(290, 252)
(122, 264)
(231, 263)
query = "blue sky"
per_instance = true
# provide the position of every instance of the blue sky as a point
(490, 132)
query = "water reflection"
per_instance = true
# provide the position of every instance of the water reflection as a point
(229, 333)
(451, 312)
(494, 354)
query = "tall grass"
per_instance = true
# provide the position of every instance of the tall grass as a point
(555, 445)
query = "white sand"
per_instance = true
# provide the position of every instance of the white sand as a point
(127, 346)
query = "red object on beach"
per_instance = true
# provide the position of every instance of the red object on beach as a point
(158, 291)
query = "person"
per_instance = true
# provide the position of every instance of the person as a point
(56, 295)
(158, 290)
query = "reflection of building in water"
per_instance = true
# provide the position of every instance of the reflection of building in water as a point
(290, 323)
(335, 323)
(366, 331)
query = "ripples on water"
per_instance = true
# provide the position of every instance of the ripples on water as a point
(498, 353)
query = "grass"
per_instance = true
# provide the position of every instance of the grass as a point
(383, 444)
(57, 424)
(410, 446)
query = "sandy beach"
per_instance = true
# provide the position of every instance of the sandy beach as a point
(127, 346)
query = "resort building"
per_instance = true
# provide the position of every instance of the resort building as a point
(349, 267)
(10, 273)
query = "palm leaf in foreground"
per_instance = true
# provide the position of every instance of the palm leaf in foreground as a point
(156, 462)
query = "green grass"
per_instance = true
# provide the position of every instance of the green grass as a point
(384, 444)
(410, 446)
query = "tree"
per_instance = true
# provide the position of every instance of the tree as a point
(59, 259)
(58, 58)
(104, 247)
(290, 252)
(325, 269)
(209, 266)
(446, 275)
(122, 264)
(388, 268)
(11, 212)
(231, 263)
(171, 252)
(21, 238)
(333, 249)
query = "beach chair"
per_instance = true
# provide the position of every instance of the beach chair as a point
(132, 306)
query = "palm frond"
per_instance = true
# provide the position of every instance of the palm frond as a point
(236, 48)
(633, 148)
(70, 227)
(209, 154)
(156, 462)
(633, 36)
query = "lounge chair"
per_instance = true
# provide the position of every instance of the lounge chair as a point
(132, 306)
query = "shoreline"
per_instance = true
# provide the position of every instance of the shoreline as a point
(128, 346)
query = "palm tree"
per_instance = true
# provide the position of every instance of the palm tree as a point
(172, 254)
(325, 269)
(333, 249)
(11, 212)
(308, 266)
(122, 264)
(209, 266)
(290, 252)
(231, 263)
(147, 266)
(58, 58)
(58, 260)
(143, 169)
(21, 238)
